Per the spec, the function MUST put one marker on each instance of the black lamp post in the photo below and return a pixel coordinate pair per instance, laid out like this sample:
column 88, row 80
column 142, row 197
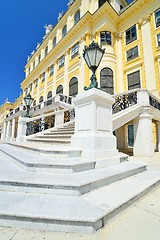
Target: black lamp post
column 28, row 101
column 93, row 55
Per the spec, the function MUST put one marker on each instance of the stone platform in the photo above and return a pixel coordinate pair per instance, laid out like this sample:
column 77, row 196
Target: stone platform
column 67, row 201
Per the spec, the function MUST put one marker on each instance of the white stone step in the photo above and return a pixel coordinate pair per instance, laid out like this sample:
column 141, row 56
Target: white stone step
column 86, row 213
column 49, row 141
column 13, row 178
column 59, row 133
column 33, row 162
column 52, row 136
column 57, row 151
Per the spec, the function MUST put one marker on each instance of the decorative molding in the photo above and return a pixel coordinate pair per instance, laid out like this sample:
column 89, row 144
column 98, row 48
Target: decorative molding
column 119, row 35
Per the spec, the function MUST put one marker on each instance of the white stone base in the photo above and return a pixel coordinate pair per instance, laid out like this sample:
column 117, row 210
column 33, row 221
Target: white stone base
column 95, row 146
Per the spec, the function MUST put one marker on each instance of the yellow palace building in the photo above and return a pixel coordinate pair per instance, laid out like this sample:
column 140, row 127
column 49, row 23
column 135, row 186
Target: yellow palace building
column 130, row 35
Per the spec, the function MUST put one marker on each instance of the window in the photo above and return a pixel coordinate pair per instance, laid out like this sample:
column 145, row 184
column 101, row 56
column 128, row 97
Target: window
column 132, row 53
column 101, row 2
column 131, row 34
column 74, row 50
column 134, row 80
column 34, row 103
column 158, row 40
column 105, row 38
column 26, row 90
column 51, row 70
column 46, row 51
column 36, row 83
column 121, row 7
column 76, row 17
column 34, row 64
column 39, row 58
column 130, row 135
column 49, row 95
column 59, row 89
column 73, row 87
column 41, row 99
column 43, row 77
column 106, row 80
column 54, row 42
column 29, row 70
column 30, row 87
column 64, row 31
column 61, row 61
column 157, row 17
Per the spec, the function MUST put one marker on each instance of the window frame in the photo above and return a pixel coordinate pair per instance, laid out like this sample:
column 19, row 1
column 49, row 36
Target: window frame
column 130, row 33
column 64, row 31
column 54, row 42
column 51, row 70
column 73, row 86
column 134, row 85
column 158, row 40
column 157, row 24
column 46, row 51
column 132, row 55
column 36, row 83
column 61, row 61
column 43, row 77
column 107, row 37
column 77, row 17
column 75, row 50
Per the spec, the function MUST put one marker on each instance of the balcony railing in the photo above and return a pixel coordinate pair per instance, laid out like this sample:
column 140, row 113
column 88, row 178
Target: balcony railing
column 124, row 101
column 47, row 121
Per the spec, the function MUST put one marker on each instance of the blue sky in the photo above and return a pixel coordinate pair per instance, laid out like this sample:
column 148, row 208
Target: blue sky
column 21, row 27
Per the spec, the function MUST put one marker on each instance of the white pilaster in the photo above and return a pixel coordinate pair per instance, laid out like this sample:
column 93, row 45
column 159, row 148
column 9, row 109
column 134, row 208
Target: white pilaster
column 93, row 125
column 65, row 87
column 13, row 129
column 158, row 136
column 8, row 131
column 143, row 145
column 4, row 132
column 148, row 56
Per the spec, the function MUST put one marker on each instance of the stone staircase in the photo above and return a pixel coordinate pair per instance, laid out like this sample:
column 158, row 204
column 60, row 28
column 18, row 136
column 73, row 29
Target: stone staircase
column 61, row 191
column 61, row 135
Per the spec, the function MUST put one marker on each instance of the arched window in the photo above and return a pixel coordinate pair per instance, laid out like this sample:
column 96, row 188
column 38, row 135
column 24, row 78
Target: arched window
column 46, row 51
column 54, row 42
column 76, row 17
column 39, row 58
column 41, row 99
column 49, row 96
column 64, row 31
column 106, row 80
column 73, row 87
column 34, row 103
column 59, row 89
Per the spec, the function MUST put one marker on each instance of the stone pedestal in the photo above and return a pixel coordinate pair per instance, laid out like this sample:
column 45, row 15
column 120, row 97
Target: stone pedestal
column 21, row 133
column 93, row 125
column 143, row 145
column 59, row 119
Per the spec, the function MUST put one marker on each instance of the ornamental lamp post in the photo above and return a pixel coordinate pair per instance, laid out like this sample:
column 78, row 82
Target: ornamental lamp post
column 28, row 101
column 93, row 55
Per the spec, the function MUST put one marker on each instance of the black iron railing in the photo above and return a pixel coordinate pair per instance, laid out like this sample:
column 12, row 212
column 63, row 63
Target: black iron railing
column 124, row 101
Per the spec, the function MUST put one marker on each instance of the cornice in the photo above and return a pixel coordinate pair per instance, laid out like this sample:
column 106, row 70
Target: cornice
column 86, row 20
column 134, row 9
column 106, row 11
